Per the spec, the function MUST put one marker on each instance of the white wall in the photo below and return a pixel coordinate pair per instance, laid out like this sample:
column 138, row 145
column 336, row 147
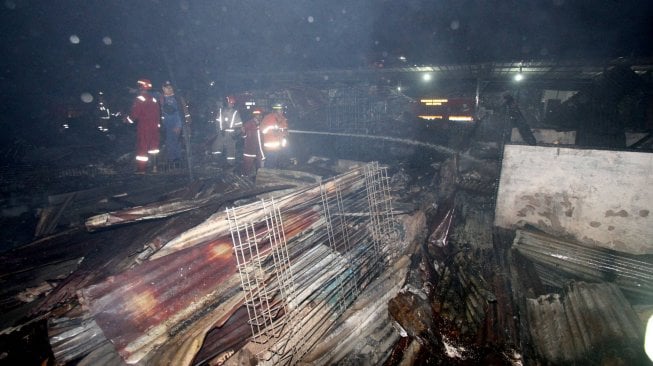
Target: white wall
column 604, row 198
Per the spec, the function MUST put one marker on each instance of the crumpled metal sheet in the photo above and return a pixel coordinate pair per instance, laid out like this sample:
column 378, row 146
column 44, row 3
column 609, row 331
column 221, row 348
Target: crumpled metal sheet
column 141, row 308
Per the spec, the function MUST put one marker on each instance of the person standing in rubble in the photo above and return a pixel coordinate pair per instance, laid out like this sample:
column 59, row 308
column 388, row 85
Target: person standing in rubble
column 103, row 113
column 173, row 106
column 228, row 125
column 252, row 152
column 146, row 114
column 274, row 133
column 516, row 119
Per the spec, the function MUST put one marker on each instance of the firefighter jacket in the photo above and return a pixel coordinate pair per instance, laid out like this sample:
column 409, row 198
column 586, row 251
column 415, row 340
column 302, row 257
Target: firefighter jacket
column 274, row 131
column 146, row 114
column 252, row 144
column 228, row 120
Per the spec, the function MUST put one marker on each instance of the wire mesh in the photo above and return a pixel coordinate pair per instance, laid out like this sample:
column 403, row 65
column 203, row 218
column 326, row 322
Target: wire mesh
column 305, row 257
column 256, row 244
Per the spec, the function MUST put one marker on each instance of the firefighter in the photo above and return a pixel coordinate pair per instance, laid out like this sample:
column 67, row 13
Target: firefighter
column 252, row 152
column 274, row 133
column 228, row 125
column 103, row 113
column 146, row 114
column 173, row 106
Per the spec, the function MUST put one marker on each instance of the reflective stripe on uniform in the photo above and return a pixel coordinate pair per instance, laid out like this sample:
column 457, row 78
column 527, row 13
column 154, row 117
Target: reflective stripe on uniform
column 260, row 146
column 275, row 144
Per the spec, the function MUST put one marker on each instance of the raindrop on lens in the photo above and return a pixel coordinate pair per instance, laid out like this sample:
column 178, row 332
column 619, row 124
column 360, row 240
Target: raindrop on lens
column 74, row 39
column 86, row 97
column 107, row 40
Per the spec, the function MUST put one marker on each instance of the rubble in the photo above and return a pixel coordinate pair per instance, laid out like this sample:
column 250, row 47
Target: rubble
column 159, row 270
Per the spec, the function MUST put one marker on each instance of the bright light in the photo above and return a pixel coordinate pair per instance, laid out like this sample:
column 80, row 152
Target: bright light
column 648, row 338
column 398, row 88
column 434, row 101
column 430, row 117
column 461, row 118
column 426, row 77
column 519, row 77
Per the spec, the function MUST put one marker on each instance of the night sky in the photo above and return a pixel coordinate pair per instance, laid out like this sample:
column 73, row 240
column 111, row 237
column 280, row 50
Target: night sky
column 53, row 51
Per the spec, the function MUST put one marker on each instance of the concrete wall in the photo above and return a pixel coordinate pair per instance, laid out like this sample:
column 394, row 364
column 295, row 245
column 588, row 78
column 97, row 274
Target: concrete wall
column 603, row 198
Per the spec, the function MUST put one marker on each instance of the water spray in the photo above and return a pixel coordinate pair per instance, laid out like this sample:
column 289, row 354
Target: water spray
column 438, row 148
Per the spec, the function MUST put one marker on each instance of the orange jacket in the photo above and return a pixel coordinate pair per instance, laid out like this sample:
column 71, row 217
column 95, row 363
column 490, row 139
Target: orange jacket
column 274, row 130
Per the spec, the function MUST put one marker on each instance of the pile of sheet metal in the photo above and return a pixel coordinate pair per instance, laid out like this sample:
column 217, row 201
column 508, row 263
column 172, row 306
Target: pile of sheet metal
column 301, row 259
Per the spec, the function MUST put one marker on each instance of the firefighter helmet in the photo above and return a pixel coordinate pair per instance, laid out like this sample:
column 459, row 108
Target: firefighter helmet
column 277, row 106
column 257, row 111
column 144, row 84
column 231, row 99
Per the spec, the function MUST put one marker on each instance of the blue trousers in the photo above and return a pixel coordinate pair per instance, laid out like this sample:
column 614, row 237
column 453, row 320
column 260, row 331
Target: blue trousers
column 172, row 126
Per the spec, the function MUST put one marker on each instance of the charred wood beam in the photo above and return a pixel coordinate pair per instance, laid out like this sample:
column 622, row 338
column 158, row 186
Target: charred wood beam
column 49, row 217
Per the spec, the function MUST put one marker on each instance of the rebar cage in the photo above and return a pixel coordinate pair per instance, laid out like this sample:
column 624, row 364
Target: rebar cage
column 305, row 257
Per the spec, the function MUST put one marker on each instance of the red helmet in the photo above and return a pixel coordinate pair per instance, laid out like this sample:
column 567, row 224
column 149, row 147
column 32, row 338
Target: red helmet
column 257, row 111
column 231, row 99
column 144, row 84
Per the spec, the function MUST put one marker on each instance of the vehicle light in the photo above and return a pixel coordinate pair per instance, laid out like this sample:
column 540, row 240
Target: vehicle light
column 461, row 118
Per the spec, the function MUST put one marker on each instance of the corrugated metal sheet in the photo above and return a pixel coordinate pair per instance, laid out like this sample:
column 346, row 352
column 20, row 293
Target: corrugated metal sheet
column 589, row 323
column 559, row 259
column 140, row 308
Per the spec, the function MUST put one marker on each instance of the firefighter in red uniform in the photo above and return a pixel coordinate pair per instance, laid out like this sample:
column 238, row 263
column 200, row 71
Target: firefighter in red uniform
column 274, row 133
column 146, row 113
column 252, row 152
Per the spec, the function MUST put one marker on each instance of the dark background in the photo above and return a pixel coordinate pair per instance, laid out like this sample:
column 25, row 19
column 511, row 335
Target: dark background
column 195, row 42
